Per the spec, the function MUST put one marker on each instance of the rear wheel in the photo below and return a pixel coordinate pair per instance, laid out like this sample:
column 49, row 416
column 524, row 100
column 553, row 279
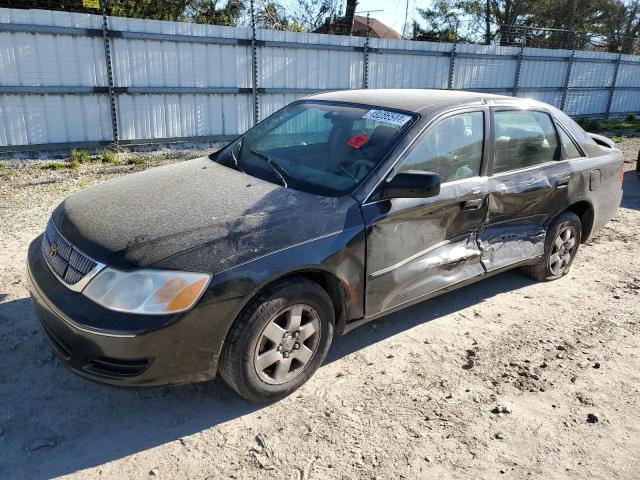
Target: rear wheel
column 279, row 341
column 561, row 246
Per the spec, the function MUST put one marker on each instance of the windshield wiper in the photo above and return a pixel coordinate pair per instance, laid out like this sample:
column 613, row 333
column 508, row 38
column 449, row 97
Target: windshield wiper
column 275, row 166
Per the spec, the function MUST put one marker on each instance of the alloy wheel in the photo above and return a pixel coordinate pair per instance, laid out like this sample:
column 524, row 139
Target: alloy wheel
column 563, row 249
column 287, row 344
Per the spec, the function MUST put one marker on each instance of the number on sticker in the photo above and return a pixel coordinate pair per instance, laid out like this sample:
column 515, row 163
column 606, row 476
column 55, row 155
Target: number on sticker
column 387, row 116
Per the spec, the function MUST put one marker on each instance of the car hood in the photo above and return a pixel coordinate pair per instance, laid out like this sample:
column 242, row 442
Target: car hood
column 195, row 215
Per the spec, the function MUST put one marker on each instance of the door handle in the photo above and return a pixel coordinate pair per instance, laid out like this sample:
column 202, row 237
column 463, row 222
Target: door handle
column 562, row 182
column 473, row 204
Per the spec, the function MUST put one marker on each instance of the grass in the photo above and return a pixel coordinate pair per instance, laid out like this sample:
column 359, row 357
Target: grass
column 84, row 183
column 80, row 156
column 629, row 123
column 617, row 138
column 108, row 156
column 54, row 165
column 136, row 160
column 620, row 125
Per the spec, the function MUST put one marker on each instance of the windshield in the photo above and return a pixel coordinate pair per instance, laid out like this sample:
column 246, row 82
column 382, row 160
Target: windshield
column 317, row 147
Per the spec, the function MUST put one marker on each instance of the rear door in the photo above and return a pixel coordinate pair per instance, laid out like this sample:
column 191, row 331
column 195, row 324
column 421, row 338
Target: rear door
column 416, row 246
column 528, row 183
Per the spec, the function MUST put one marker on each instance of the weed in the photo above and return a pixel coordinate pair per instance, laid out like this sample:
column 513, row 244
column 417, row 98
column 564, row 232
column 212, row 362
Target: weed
column 617, row 138
column 136, row 160
column 631, row 117
column 108, row 156
column 590, row 124
column 54, row 166
column 79, row 156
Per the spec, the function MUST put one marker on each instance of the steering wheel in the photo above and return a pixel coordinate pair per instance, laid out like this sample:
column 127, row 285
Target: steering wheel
column 363, row 163
column 361, row 167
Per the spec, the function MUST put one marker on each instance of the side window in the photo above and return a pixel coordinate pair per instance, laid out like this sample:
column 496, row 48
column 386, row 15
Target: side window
column 570, row 148
column 452, row 148
column 523, row 139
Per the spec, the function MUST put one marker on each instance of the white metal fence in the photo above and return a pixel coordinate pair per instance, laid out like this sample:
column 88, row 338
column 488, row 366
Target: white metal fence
column 174, row 81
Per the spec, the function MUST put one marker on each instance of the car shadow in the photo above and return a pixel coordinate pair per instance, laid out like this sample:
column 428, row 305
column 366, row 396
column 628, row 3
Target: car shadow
column 433, row 309
column 631, row 187
column 55, row 423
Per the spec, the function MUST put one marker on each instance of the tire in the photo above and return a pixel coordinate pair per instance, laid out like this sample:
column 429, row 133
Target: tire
column 252, row 361
column 638, row 164
column 557, row 242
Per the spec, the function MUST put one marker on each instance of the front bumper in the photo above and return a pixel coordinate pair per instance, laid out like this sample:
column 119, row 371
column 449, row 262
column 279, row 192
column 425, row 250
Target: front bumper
column 124, row 349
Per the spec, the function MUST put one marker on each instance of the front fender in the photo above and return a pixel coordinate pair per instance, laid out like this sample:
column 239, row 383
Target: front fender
column 340, row 254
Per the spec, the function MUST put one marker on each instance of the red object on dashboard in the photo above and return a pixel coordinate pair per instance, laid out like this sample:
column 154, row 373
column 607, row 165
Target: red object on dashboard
column 357, row 140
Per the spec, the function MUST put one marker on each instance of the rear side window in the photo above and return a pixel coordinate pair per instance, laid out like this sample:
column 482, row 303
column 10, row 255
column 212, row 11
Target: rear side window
column 523, row 139
column 452, row 148
column 570, row 148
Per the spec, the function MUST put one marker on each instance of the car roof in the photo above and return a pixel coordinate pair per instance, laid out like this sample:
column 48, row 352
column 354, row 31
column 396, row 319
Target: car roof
column 417, row 100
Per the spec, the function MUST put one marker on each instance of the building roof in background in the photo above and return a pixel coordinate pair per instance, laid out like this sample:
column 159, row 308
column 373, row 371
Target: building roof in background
column 378, row 29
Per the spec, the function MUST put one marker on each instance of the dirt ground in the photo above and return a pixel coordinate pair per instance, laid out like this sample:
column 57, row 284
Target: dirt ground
column 507, row 378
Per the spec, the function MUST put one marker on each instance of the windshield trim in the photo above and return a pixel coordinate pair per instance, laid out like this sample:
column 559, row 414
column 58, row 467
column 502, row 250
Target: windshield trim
column 402, row 132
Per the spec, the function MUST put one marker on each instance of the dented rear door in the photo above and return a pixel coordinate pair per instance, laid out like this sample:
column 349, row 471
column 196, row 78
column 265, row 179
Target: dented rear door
column 528, row 184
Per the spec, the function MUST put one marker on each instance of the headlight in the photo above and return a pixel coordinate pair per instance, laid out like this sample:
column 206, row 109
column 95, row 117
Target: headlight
column 146, row 291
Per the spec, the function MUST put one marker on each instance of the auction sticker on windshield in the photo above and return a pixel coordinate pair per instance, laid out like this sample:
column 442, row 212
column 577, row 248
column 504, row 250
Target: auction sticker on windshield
column 386, row 116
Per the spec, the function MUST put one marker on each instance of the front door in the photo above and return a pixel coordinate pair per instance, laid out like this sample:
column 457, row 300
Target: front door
column 416, row 246
column 528, row 184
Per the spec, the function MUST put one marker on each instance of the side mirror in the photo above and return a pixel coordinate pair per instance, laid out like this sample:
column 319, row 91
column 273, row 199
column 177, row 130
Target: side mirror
column 412, row 184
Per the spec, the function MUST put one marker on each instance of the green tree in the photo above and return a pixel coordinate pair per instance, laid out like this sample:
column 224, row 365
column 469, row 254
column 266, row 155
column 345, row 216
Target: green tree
column 152, row 9
column 216, row 12
column 441, row 22
column 273, row 16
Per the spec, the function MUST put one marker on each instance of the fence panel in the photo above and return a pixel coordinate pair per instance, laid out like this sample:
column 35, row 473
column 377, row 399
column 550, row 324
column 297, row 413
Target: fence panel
column 182, row 81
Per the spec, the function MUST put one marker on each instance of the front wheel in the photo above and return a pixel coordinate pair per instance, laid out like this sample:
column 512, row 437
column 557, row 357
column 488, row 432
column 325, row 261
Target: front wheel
column 560, row 249
column 279, row 340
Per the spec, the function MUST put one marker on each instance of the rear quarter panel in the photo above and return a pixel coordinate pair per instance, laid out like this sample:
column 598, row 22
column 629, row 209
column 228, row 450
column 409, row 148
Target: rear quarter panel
column 596, row 180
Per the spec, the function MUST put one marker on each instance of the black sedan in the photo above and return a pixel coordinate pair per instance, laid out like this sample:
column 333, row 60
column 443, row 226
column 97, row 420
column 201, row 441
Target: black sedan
column 336, row 210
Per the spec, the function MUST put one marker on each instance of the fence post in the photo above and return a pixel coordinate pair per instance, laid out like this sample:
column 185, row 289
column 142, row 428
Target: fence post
column 452, row 65
column 254, row 67
column 516, row 79
column 612, row 88
column 365, row 67
column 567, row 79
column 107, row 56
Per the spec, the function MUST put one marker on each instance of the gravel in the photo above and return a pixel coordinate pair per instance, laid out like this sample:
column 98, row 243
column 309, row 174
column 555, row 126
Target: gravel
column 408, row 396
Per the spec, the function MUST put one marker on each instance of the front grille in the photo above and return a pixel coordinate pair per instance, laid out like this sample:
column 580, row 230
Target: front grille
column 65, row 261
